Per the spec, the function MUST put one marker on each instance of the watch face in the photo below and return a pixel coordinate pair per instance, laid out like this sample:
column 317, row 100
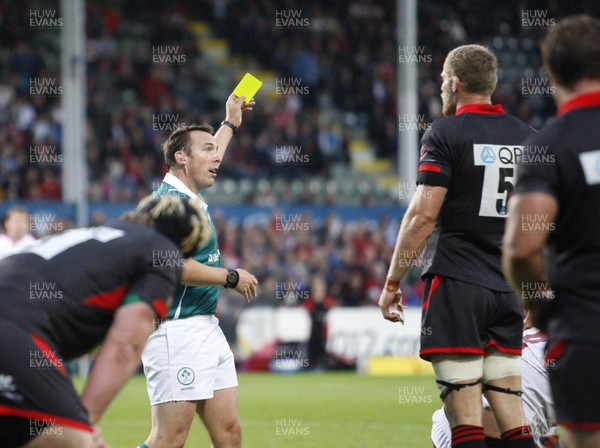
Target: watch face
column 232, row 278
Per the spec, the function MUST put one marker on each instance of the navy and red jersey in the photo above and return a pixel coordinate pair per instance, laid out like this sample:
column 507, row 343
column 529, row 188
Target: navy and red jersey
column 66, row 289
column 564, row 162
column 472, row 153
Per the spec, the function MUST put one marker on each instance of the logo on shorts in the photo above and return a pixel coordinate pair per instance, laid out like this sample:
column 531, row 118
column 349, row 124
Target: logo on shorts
column 186, row 376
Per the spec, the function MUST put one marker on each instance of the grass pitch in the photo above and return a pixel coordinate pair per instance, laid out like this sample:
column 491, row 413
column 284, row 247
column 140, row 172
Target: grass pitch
column 303, row 410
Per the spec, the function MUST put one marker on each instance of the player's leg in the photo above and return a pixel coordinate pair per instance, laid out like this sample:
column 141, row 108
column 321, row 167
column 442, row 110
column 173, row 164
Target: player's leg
column 441, row 433
column 62, row 437
column 171, row 424
column 221, row 418
column 179, row 371
column 502, row 378
column 459, row 380
column 454, row 316
column 220, row 413
column 490, row 430
column 502, row 371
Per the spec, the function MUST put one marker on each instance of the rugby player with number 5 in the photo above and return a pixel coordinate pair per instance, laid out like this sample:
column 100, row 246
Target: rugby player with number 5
column 472, row 319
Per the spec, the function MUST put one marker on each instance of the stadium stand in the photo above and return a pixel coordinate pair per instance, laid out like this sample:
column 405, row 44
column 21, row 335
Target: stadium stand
column 152, row 66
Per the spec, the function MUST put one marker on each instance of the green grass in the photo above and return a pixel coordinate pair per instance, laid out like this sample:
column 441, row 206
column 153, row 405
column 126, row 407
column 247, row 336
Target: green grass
column 325, row 410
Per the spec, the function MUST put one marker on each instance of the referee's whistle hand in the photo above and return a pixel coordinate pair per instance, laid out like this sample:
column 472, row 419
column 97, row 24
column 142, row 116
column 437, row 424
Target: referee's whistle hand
column 391, row 306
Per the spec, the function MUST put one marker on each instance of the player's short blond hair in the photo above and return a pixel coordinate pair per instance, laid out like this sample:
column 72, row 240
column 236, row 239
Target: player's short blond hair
column 476, row 66
column 183, row 221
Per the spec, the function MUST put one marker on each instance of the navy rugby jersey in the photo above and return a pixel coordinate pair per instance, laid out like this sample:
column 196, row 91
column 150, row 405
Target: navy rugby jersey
column 565, row 163
column 472, row 153
column 67, row 288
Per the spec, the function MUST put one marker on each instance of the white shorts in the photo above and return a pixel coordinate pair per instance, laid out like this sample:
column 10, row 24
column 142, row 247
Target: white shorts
column 187, row 360
column 441, row 434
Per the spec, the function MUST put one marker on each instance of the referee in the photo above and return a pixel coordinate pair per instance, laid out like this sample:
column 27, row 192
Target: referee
column 556, row 210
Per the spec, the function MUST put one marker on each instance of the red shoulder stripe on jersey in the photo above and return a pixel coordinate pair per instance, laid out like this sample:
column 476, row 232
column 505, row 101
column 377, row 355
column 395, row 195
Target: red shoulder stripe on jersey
column 161, row 308
column 580, row 102
column 430, row 167
column 50, row 354
column 480, row 109
column 109, row 300
column 12, row 411
column 510, row 351
column 437, row 280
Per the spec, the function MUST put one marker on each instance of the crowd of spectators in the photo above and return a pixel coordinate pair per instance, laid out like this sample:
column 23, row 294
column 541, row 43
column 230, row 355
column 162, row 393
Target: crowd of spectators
column 351, row 257
column 344, row 54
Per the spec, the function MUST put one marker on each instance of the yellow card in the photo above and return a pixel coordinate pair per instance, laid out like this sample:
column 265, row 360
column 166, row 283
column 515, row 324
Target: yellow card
column 248, row 87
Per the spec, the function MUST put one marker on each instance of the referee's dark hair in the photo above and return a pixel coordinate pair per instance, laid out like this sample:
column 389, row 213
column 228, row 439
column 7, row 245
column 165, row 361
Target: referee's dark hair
column 571, row 50
column 179, row 141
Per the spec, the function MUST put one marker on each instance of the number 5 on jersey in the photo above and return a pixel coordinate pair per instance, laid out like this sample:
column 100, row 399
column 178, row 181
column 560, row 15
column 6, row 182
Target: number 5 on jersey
column 498, row 178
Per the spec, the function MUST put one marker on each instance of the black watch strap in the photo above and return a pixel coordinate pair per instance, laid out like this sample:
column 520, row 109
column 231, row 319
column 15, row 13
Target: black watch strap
column 233, row 127
column 233, row 278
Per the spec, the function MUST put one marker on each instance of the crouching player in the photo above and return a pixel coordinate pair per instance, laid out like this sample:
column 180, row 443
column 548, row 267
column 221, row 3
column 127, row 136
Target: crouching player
column 72, row 291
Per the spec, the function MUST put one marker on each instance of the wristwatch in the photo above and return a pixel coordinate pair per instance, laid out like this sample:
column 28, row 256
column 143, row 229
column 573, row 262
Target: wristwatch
column 232, row 278
column 233, row 127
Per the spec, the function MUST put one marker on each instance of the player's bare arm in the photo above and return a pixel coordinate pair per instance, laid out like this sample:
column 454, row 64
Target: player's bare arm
column 197, row 274
column 523, row 252
column 118, row 358
column 234, row 108
column 417, row 225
